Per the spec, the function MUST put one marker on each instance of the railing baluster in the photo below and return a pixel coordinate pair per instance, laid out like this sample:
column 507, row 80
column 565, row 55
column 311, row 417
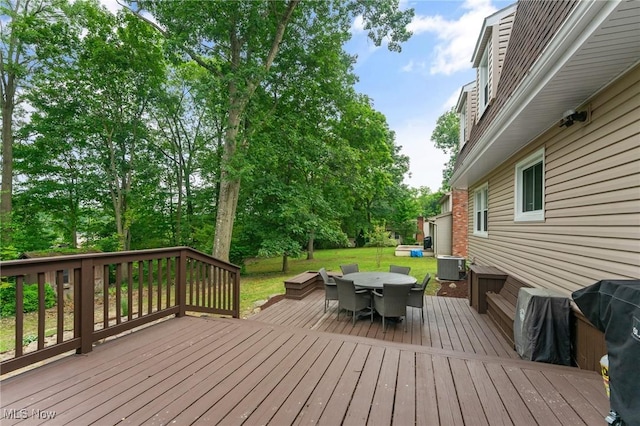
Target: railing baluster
column 105, row 296
column 197, row 289
column 60, row 319
column 191, row 262
column 129, row 291
column 118, row 292
column 41, row 310
column 159, row 284
column 149, row 286
column 19, row 314
column 168, row 305
column 140, row 286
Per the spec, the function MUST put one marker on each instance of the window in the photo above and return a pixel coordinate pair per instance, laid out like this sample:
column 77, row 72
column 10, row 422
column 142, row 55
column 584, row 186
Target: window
column 483, row 77
column 529, row 199
column 480, row 211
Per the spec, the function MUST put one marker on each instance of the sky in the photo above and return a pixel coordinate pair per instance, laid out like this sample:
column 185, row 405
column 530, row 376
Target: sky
column 416, row 86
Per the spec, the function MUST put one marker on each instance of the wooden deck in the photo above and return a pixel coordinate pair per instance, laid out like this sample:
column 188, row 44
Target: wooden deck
column 228, row 371
column 449, row 323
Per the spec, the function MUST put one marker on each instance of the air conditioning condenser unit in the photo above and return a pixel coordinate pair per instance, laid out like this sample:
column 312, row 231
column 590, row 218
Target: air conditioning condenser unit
column 450, row 267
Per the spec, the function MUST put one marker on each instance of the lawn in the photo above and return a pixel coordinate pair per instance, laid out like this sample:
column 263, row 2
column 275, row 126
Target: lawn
column 263, row 277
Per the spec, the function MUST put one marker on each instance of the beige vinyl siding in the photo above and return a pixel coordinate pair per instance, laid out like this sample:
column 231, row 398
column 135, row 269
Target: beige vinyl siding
column 504, row 32
column 499, row 44
column 591, row 229
column 471, row 108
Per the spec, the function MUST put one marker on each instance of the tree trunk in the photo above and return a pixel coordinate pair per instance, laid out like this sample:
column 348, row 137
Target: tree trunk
column 285, row 263
column 310, row 247
column 229, row 184
column 7, row 161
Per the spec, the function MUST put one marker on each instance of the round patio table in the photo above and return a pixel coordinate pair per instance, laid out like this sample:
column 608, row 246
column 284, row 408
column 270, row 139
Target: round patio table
column 374, row 280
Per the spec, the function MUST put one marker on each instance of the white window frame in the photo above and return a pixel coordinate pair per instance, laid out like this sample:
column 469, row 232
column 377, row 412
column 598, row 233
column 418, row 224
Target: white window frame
column 520, row 215
column 483, row 81
column 481, row 207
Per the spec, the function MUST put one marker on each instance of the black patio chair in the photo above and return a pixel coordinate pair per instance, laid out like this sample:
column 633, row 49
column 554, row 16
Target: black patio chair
column 349, row 269
column 416, row 295
column 351, row 299
column 392, row 303
column 330, row 288
column 400, row 269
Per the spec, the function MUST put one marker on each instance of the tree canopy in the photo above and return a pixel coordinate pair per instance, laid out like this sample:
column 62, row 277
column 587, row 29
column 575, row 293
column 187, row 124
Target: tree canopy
column 140, row 127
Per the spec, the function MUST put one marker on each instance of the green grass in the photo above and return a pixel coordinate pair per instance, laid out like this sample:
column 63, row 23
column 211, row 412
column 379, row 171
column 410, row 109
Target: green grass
column 264, row 278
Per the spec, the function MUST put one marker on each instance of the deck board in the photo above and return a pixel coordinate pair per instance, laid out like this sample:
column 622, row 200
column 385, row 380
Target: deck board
column 194, row 370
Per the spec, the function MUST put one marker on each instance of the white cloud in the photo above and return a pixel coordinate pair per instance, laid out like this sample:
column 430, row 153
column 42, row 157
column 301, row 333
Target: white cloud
column 456, row 39
column 413, row 66
column 408, row 67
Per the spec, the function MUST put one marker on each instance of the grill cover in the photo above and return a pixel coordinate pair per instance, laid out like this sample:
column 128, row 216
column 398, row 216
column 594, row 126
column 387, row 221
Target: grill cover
column 613, row 306
column 541, row 326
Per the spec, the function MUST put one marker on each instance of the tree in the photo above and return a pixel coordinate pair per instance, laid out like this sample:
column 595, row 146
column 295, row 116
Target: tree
column 25, row 36
column 446, row 136
column 189, row 129
column 238, row 42
column 428, row 201
column 93, row 104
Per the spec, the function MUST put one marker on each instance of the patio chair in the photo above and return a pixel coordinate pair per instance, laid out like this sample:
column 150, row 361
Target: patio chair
column 416, row 295
column 330, row 288
column 349, row 269
column 351, row 299
column 393, row 303
column 400, row 269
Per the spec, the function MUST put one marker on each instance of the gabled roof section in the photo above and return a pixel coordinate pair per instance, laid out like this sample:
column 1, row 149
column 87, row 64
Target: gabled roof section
column 560, row 54
column 464, row 95
column 485, row 33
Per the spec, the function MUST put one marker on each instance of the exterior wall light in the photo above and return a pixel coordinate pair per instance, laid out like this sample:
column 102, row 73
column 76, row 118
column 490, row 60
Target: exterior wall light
column 571, row 116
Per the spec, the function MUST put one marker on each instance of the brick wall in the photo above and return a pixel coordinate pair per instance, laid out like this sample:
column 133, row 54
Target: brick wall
column 460, row 221
column 420, row 232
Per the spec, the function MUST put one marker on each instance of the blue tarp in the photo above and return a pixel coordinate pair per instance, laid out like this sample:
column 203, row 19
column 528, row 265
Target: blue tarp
column 416, row 253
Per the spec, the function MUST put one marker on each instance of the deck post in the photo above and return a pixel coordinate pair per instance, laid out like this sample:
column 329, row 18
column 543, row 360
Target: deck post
column 181, row 287
column 236, row 294
column 86, row 308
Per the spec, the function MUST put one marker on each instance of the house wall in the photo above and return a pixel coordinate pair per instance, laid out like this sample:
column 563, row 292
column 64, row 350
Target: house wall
column 442, row 237
column 460, row 223
column 591, row 229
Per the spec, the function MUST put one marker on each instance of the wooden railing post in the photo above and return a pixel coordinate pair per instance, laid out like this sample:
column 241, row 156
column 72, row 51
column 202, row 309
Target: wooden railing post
column 181, row 283
column 86, row 309
column 236, row 294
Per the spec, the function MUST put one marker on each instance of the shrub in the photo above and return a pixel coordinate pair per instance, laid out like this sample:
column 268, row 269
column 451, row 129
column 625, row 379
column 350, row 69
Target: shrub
column 29, row 300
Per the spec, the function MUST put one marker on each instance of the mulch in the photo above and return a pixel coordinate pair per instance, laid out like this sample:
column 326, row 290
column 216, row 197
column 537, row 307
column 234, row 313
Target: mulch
column 458, row 289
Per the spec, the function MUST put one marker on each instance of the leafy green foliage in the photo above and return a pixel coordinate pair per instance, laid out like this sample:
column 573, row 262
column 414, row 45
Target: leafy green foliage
column 446, row 136
column 30, row 298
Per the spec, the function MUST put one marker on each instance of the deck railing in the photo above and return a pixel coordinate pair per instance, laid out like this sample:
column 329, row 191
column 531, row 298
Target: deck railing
column 100, row 295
